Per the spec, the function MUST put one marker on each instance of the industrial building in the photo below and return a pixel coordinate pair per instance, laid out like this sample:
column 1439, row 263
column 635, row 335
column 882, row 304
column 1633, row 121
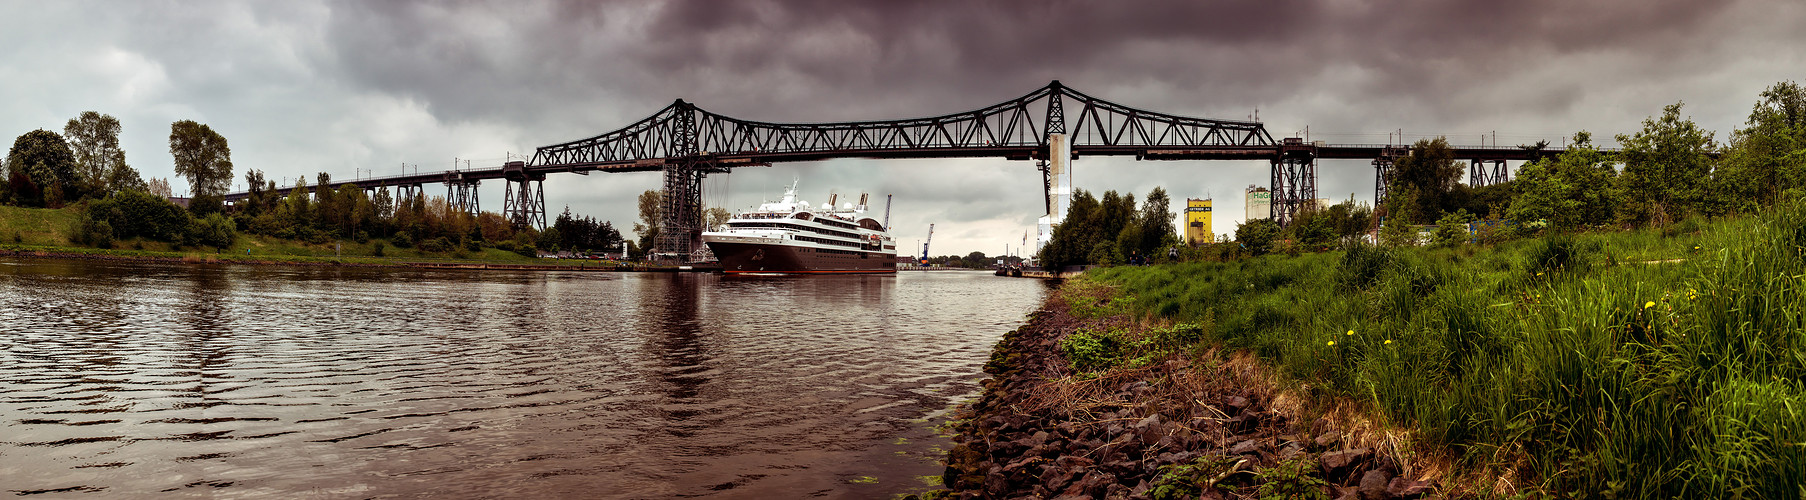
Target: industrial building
column 1259, row 202
column 1197, row 222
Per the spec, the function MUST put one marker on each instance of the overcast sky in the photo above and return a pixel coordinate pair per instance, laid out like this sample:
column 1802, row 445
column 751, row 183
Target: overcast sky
column 355, row 88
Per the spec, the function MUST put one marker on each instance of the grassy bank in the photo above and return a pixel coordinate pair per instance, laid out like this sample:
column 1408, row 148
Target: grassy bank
column 1652, row 364
column 43, row 231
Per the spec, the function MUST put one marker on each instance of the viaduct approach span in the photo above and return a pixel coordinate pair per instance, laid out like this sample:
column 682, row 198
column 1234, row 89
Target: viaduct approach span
column 1051, row 125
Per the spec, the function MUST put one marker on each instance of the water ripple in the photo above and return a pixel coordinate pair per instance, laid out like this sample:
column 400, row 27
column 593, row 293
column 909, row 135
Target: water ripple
column 137, row 380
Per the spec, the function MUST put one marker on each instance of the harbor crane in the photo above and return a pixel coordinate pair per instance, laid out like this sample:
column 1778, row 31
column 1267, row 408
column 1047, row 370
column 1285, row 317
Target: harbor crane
column 926, row 243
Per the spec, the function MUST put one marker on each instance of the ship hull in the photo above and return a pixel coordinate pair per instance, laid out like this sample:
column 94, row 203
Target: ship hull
column 755, row 258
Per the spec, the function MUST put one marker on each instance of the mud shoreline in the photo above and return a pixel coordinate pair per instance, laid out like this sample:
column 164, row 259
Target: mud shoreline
column 1195, row 425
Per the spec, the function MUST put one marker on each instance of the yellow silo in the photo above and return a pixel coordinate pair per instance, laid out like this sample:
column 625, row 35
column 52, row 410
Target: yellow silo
column 1197, row 222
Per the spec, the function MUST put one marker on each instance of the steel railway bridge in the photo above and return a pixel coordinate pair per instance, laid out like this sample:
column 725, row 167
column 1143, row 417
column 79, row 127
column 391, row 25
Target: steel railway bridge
column 1051, row 126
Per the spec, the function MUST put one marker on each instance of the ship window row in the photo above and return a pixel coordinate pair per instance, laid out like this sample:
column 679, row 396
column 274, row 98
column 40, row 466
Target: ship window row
column 826, row 241
column 836, row 223
column 846, row 252
column 781, row 225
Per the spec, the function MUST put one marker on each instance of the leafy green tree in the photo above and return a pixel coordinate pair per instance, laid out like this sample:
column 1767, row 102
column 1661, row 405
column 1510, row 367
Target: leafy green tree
column 202, row 156
column 647, row 227
column 715, row 218
column 1156, row 221
column 1768, row 156
column 1257, row 235
column 1666, row 167
column 1349, row 220
column 1313, row 228
column 94, row 138
column 977, row 259
column 1424, row 182
column 1570, row 191
column 42, row 170
column 1451, row 229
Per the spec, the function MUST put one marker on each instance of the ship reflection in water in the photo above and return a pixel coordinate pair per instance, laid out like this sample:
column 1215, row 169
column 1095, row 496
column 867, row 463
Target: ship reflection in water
column 140, row 380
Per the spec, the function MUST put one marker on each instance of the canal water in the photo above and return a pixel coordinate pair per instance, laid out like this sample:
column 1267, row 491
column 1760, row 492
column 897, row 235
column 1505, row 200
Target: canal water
column 149, row 380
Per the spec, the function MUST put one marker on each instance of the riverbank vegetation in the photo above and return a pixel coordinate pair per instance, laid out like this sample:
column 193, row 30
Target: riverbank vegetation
column 1629, row 324
column 74, row 193
column 1658, row 363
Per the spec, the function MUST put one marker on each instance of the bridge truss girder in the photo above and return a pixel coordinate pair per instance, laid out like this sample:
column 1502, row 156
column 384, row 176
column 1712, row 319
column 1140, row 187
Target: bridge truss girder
column 682, row 129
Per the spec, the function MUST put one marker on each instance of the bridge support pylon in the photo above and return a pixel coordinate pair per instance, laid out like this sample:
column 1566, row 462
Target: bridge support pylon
column 462, row 194
column 1382, row 172
column 680, row 210
column 1487, row 172
column 523, row 200
column 1294, row 180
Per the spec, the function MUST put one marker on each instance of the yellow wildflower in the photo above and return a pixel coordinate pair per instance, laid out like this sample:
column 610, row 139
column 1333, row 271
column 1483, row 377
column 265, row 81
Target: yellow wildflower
column 1351, row 333
column 1332, row 343
column 1649, row 304
column 1388, row 341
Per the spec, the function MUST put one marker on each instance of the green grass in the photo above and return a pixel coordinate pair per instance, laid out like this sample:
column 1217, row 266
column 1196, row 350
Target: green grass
column 1595, row 365
column 48, row 230
column 35, row 226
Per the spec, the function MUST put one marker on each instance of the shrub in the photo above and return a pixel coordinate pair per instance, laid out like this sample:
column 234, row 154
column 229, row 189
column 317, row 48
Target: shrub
column 1257, row 235
column 1451, row 229
column 1091, row 350
column 93, row 231
column 140, row 214
column 1189, row 480
column 376, row 249
column 361, row 237
column 214, row 230
column 1291, row 479
column 435, row 245
column 402, row 240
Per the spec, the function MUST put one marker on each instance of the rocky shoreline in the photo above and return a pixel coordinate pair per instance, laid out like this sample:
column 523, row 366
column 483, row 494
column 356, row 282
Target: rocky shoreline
column 1195, row 425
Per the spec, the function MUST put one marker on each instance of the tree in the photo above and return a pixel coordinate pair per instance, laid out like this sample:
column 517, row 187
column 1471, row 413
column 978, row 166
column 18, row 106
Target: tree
column 1423, row 182
column 1570, row 191
column 976, row 259
column 1156, row 220
column 1769, row 156
column 159, row 187
column 715, row 218
column 647, row 227
column 42, row 169
column 203, row 157
column 1257, row 235
column 94, row 138
column 1666, row 167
